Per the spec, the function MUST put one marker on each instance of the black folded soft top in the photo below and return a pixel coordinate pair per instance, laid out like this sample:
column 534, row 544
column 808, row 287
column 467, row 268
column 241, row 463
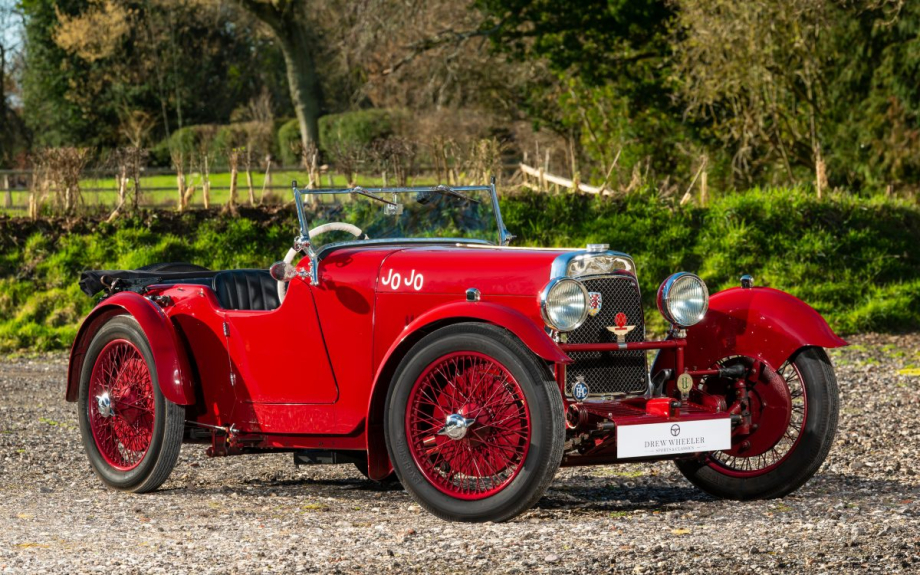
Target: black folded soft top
column 112, row 281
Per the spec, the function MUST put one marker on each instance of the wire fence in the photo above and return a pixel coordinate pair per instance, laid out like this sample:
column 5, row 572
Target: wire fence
column 165, row 188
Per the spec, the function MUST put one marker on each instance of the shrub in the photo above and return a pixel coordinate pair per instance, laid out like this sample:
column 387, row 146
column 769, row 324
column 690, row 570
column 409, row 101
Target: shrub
column 229, row 136
column 853, row 259
column 189, row 140
column 348, row 130
column 357, row 129
column 289, row 143
column 159, row 155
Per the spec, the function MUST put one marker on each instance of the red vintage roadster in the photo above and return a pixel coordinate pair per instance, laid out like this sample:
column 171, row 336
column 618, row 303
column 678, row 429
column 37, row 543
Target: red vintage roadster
column 402, row 334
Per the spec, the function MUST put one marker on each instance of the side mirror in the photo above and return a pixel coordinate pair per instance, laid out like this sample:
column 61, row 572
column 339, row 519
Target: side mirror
column 282, row 271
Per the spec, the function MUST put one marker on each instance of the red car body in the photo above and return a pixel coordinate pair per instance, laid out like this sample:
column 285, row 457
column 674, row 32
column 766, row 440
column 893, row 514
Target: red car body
column 313, row 374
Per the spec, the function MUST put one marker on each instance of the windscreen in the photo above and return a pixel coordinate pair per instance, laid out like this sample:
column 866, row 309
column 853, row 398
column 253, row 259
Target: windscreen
column 424, row 213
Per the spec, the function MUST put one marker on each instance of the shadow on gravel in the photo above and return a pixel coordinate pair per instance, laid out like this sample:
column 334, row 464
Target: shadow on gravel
column 285, row 487
column 573, row 495
column 623, row 499
column 837, row 484
column 616, row 498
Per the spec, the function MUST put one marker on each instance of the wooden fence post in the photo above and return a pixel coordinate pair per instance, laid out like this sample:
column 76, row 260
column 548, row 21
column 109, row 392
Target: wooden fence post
column 8, row 201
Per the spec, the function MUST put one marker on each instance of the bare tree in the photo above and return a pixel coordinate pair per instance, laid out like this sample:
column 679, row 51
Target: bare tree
column 183, row 162
column 40, row 186
column 205, row 159
column 394, row 157
column 233, row 158
column 135, row 126
column 348, row 158
column 485, row 160
column 64, row 168
column 129, row 163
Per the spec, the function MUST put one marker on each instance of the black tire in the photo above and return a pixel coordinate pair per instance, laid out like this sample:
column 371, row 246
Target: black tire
column 169, row 418
column 803, row 461
column 544, row 403
column 390, row 479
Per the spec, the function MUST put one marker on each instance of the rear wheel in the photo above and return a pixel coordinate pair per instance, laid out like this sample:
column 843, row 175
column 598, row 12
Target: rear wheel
column 795, row 412
column 131, row 433
column 474, row 424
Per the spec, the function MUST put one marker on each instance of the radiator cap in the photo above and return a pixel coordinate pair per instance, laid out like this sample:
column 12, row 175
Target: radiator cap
column 597, row 248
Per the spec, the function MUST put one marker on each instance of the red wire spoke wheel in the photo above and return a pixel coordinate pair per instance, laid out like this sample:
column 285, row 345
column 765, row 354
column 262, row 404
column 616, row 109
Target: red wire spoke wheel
column 122, row 415
column 131, row 433
column 468, row 425
column 794, row 414
column 780, row 420
column 474, row 423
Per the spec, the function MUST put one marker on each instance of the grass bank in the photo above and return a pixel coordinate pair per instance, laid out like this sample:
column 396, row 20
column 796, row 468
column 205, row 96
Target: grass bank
column 856, row 260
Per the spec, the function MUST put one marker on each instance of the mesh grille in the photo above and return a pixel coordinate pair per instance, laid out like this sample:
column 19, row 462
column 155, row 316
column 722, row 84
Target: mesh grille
column 610, row 371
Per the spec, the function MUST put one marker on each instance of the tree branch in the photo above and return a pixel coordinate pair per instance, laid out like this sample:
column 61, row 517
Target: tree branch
column 442, row 39
column 267, row 12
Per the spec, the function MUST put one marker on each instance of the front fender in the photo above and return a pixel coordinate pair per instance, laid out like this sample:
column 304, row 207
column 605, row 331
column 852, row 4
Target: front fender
column 172, row 366
column 763, row 323
column 514, row 321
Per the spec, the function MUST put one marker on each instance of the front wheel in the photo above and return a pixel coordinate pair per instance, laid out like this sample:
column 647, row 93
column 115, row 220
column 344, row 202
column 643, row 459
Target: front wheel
column 795, row 413
column 131, row 433
column 474, row 424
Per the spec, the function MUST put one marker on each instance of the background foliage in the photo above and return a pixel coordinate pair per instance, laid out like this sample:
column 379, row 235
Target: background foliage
column 853, row 259
column 786, row 92
column 767, row 103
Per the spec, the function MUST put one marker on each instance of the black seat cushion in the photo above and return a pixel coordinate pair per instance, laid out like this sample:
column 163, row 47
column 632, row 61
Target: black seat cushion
column 246, row 290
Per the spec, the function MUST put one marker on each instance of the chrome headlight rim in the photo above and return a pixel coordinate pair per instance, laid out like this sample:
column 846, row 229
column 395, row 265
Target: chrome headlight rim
column 665, row 298
column 544, row 298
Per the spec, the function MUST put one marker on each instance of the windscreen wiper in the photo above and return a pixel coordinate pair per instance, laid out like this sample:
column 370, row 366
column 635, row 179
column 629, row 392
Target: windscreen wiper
column 442, row 189
column 362, row 192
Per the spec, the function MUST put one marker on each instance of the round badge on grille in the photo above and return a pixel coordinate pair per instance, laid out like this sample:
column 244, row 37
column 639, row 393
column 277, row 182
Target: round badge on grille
column 580, row 390
column 684, row 384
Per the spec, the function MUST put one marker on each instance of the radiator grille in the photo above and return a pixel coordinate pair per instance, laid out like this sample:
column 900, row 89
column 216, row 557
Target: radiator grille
column 610, row 371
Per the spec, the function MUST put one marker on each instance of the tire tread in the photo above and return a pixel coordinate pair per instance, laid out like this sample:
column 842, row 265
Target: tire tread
column 699, row 474
column 540, row 376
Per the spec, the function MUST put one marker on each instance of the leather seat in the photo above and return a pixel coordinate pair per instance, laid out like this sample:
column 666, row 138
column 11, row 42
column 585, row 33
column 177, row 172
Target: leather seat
column 246, row 290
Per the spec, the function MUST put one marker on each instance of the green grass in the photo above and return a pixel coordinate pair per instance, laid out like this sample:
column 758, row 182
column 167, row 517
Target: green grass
column 853, row 259
column 151, row 196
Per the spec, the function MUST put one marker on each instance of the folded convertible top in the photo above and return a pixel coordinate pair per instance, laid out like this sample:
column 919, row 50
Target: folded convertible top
column 112, row 281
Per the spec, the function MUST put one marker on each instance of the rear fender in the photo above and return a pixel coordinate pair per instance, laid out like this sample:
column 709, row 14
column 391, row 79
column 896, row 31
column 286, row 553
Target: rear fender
column 172, row 366
column 763, row 323
column 514, row 321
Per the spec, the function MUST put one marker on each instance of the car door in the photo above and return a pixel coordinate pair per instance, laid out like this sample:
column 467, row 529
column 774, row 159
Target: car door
column 279, row 360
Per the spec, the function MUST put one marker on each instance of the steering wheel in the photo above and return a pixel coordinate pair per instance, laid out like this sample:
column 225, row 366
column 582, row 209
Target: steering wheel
column 330, row 227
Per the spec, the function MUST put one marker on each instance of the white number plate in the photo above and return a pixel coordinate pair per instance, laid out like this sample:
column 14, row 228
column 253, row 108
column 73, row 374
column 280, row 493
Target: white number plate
column 658, row 439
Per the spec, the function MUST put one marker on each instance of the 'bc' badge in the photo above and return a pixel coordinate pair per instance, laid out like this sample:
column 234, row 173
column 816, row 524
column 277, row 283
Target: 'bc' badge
column 580, row 390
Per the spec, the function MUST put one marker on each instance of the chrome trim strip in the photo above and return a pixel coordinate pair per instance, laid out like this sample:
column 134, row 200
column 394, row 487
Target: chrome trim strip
column 561, row 264
column 396, row 241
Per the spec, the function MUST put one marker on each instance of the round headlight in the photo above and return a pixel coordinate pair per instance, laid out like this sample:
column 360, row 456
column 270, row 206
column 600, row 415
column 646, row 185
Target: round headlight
column 683, row 299
column 564, row 304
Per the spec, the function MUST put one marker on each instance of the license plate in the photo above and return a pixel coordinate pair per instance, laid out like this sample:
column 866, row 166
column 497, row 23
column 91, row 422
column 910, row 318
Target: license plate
column 661, row 439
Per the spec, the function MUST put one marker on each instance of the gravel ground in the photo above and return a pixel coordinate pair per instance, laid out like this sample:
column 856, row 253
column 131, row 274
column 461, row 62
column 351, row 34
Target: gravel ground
column 260, row 514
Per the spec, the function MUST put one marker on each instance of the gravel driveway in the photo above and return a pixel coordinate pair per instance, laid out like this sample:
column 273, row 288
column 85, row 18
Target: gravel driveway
column 261, row 514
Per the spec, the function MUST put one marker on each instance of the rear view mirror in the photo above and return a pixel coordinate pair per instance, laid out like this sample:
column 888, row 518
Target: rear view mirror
column 282, row 271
